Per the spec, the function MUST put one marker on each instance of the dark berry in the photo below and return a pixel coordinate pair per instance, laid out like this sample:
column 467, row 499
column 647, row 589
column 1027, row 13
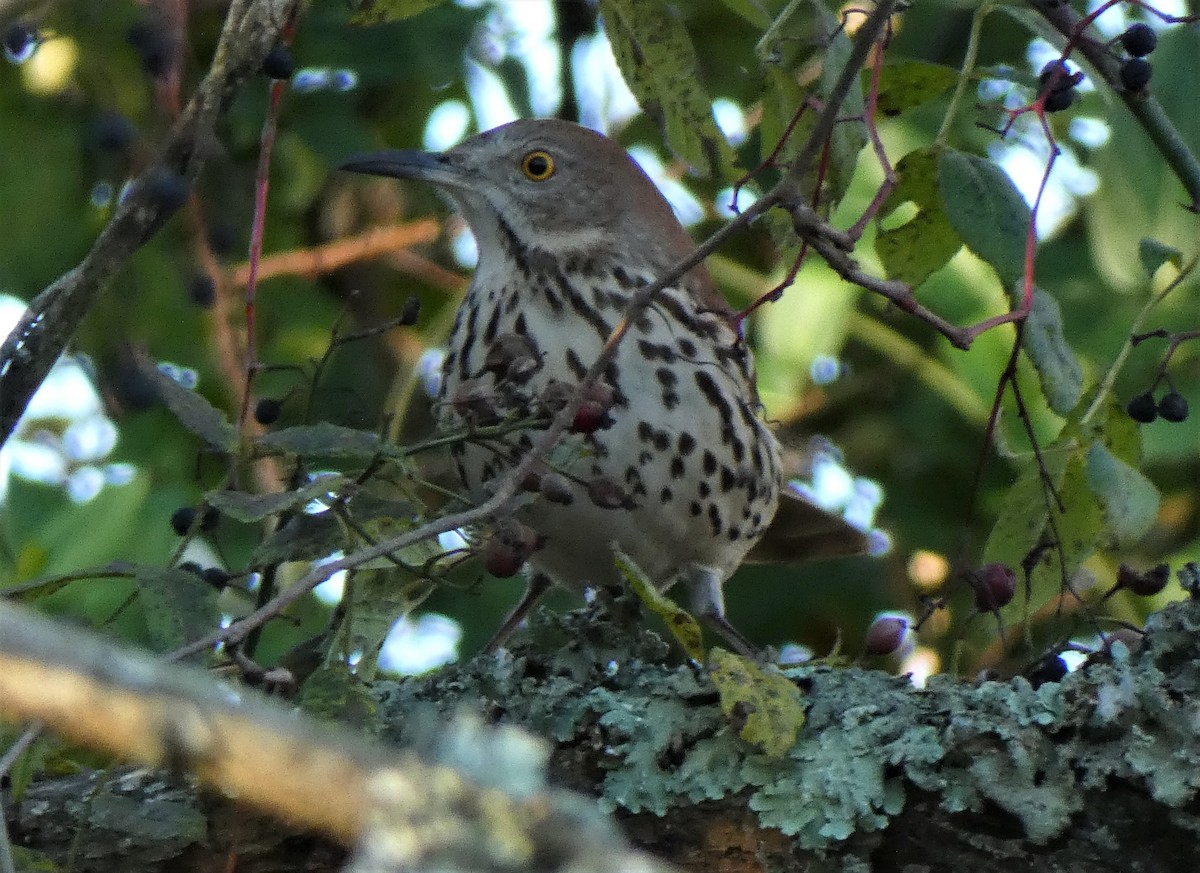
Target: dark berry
column 267, row 409
column 500, row 558
column 1050, row 669
column 411, row 311
column 607, row 494
column 149, row 37
column 209, row 518
column 112, row 132
column 182, row 519
column 1057, row 101
column 555, row 488
column 503, row 352
column 1135, row 74
column 216, row 577
column 532, row 483
column 1142, row 408
column 222, row 239
column 589, row 417
column 994, row 586
column 168, row 189
column 20, row 40
column 885, row 635
column 191, row 567
column 1140, row 39
column 278, row 63
column 202, row 291
column 1173, row 407
column 1145, row 584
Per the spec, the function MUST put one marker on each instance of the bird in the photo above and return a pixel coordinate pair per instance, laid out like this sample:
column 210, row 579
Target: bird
column 673, row 463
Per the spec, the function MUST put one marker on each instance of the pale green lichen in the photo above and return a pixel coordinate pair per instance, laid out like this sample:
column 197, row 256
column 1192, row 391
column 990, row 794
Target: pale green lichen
column 653, row 736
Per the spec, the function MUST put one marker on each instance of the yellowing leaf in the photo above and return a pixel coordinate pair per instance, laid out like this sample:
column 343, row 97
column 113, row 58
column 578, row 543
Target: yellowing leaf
column 679, row 621
column 769, row 706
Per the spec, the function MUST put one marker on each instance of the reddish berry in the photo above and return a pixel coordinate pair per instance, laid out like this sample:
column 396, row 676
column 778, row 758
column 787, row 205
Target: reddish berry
column 501, row 559
column 994, row 586
column 885, row 635
column 589, row 417
column 555, row 488
column 607, row 494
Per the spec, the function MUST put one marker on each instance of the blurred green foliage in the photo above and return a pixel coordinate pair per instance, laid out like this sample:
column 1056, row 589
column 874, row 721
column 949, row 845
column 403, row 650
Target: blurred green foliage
column 910, row 412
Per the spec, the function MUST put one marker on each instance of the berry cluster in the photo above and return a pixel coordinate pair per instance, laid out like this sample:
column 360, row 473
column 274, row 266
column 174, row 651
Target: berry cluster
column 1058, row 83
column 1144, row 408
column 1138, row 41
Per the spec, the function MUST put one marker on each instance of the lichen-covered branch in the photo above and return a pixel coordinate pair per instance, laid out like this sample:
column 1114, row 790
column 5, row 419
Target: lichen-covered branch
column 466, row 798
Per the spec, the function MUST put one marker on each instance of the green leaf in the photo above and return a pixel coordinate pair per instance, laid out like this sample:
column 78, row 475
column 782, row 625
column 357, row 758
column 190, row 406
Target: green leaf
column 847, row 140
column 1130, row 500
column 987, row 211
column 191, row 409
column 768, row 705
column 916, row 249
column 1153, row 254
column 656, row 57
column 335, row 693
column 325, row 440
column 303, row 538
column 180, row 607
column 381, row 11
column 246, row 507
column 908, row 84
column 1056, row 365
column 679, row 622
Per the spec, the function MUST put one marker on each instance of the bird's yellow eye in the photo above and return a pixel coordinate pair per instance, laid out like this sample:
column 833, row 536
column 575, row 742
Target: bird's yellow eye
column 537, row 166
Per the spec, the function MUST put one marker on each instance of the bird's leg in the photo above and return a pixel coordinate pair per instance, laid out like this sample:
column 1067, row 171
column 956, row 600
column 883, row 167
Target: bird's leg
column 539, row 584
column 708, row 604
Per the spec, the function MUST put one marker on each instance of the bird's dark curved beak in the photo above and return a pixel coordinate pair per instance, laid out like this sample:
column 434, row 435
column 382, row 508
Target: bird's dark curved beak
column 400, row 164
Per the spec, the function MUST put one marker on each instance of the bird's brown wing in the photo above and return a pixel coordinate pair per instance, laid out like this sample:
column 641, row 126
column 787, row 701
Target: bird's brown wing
column 802, row 531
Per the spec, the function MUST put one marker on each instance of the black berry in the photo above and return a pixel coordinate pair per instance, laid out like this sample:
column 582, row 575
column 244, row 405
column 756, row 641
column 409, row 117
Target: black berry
column 267, row 410
column 182, row 519
column 411, row 311
column 1173, row 407
column 1050, row 669
column 20, row 39
column 278, row 63
column 168, row 189
column 191, row 567
column 1140, row 39
column 149, row 37
column 222, row 238
column 216, row 577
column 1057, row 101
column 209, row 518
column 589, row 417
column 1135, row 74
column 1145, row 584
column 202, row 291
column 112, row 132
column 1142, row 408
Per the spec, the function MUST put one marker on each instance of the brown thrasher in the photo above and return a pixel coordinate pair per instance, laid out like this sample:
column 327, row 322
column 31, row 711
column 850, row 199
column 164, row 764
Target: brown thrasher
column 672, row 462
